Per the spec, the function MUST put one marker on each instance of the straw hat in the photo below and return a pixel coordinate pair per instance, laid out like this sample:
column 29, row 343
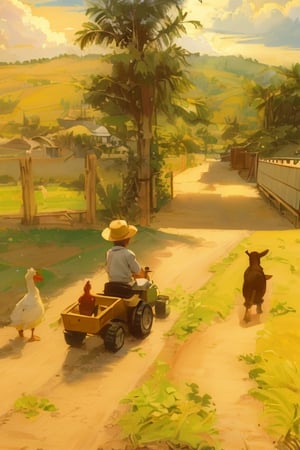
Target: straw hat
column 118, row 230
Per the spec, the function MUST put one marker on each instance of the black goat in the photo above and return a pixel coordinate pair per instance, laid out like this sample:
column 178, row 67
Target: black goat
column 254, row 286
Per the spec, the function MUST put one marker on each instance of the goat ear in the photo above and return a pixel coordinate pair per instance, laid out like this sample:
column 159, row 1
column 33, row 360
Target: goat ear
column 247, row 253
column 264, row 253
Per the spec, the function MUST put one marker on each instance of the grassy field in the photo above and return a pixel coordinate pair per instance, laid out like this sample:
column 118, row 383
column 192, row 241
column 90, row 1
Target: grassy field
column 52, row 198
column 46, row 89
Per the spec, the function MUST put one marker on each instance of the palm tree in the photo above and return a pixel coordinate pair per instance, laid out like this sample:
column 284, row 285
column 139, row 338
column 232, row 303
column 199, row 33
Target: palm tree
column 264, row 97
column 147, row 68
column 288, row 111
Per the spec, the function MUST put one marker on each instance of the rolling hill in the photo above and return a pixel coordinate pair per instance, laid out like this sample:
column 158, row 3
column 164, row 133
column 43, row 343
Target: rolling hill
column 46, row 90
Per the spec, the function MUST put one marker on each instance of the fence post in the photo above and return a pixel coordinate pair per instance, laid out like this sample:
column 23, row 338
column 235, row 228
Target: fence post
column 29, row 205
column 90, row 188
column 172, row 184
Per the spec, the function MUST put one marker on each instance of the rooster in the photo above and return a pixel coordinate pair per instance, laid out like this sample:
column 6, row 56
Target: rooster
column 29, row 311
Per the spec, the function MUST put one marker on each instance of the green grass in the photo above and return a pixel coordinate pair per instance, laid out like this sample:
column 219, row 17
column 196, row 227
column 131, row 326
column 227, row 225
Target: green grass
column 160, row 411
column 10, row 199
column 55, row 198
column 87, row 243
column 31, row 405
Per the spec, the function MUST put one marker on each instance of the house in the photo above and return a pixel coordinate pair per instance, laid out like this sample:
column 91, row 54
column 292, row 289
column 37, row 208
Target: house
column 102, row 134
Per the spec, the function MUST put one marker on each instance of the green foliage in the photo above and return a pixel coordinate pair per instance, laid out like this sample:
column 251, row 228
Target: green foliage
column 159, row 411
column 7, row 179
column 110, row 198
column 31, row 405
column 78, row 184
column 139, row 351
column 281, row 308
column 147, row 74
column 7, row 105
column 267, row 142
column 200, row 307
column 281, row 334
column 212, row 301
column 250, row 358
column 130, row 190
column 279, row 390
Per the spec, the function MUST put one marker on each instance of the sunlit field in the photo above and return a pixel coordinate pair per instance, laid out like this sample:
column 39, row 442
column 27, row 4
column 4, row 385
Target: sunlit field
column 50, row 198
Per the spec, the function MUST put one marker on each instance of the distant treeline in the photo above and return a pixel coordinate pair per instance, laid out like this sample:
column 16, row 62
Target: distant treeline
column 234, row 64
column 45, row 60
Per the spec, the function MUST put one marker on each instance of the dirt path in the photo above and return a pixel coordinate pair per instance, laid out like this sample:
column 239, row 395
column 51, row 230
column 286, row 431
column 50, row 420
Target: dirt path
column 221, row 200
column 87, row 383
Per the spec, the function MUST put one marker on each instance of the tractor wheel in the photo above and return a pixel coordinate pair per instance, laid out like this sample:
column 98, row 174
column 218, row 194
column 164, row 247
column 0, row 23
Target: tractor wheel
column 74, row 338
column 161, row 307
column 142, row 320
column 114, row 337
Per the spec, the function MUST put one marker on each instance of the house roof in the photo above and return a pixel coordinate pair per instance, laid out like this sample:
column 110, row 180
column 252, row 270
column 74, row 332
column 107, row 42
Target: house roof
column 101, row 131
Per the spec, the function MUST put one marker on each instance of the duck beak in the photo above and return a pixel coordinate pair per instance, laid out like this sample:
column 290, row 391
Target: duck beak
column 38, row 277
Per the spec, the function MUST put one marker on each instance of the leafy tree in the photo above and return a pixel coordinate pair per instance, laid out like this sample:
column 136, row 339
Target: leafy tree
column 206, row 137
column 288, row 111
column 148, row 70
column 264, row 97
column 279, row 105
column 7, row 105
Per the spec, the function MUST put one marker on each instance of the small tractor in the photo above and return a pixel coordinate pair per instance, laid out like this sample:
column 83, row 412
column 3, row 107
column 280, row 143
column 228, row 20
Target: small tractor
column 120, row 308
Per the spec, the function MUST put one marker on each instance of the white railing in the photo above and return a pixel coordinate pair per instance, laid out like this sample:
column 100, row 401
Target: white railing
column 279, row 179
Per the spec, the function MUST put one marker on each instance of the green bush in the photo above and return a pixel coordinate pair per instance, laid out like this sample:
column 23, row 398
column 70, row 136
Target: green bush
column 160, row 412
column 7, row 179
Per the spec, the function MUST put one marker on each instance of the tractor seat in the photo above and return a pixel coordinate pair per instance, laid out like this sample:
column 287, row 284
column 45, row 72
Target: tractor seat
column 117, row 289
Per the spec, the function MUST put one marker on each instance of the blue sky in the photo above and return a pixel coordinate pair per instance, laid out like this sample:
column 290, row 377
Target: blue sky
column 265, row 30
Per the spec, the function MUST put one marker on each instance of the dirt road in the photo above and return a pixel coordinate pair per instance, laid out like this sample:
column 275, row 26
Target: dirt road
column 217, row 208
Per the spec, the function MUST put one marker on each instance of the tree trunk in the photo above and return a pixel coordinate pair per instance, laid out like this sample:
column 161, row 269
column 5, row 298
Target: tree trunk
column 90, row 188
column 29, row 204
column 144, row 149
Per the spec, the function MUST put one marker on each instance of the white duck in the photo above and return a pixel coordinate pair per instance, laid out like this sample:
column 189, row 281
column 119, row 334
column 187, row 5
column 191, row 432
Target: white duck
column 29, row 311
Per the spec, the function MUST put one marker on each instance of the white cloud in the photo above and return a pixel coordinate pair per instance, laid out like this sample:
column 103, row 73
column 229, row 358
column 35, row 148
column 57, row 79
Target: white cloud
column 20, row 29
column 247, row 27
column 229, row 27
column 273, row 23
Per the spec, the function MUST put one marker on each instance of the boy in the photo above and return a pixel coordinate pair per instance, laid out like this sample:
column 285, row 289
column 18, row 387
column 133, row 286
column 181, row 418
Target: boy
column 121, row 263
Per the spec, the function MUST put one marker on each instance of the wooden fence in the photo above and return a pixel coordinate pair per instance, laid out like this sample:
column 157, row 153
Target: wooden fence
column 30, row 215
column 277, row 178
column 279, row 181
column 247, row 161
